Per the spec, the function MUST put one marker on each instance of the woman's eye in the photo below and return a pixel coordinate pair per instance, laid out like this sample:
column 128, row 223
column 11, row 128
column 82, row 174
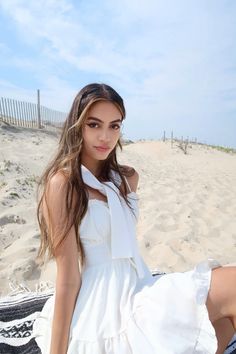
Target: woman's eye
column 92, row 125
column 116, row 126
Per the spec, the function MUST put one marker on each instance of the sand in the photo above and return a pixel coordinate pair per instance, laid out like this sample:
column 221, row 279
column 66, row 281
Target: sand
column 187, row 204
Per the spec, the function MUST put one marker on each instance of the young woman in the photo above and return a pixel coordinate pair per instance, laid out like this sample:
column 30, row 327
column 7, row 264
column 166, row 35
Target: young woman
column 106, row 299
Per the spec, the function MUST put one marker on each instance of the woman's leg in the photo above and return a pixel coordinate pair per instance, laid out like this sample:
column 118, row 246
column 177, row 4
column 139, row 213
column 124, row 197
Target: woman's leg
column 224, row 333
column 221, row 302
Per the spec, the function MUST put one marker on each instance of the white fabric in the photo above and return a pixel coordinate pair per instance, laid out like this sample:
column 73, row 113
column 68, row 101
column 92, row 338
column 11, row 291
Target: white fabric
column 123, row 235
column 116, row 312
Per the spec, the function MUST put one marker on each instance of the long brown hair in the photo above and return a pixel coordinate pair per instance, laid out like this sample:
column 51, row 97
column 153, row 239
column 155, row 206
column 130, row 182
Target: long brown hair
column 68, row 157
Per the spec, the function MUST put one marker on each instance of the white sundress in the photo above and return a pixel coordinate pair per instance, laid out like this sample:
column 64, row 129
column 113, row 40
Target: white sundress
column 116, row 312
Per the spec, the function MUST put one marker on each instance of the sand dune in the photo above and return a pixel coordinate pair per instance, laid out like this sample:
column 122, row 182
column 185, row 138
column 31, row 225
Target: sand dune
column 187, row 204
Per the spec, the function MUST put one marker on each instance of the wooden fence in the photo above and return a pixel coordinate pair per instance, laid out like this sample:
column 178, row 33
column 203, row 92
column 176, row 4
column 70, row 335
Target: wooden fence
column 182, row 143
column 30, row 115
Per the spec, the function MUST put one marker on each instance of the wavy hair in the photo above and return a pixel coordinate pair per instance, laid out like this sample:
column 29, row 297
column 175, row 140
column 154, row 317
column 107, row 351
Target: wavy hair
column 68, row 158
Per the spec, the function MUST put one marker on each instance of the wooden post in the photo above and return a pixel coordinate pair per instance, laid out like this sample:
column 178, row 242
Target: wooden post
column 172, row 139
column 1, row 108
column 164, row 136
column 15, row 113
column 38, row 107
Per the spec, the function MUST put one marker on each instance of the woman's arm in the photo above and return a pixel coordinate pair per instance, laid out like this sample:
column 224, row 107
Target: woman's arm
column 68, row 279
column 63, row 311
column 68, row 284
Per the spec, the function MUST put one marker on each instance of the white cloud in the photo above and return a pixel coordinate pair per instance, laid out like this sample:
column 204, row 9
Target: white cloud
column 9, row 90
column 168, row 60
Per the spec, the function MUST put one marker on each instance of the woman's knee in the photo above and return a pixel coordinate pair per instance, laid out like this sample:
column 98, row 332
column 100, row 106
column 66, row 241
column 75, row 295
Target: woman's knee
column 221, row 300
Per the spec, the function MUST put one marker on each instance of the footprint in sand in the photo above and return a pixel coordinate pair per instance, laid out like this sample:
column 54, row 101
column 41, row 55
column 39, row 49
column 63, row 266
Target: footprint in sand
column 32, row 271
column 11, row 219
column 6, row 240
column 33, row 249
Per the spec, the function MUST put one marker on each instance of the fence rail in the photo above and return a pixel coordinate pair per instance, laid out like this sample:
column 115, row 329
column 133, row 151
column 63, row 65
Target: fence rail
column 185, row 143
column 30, row 115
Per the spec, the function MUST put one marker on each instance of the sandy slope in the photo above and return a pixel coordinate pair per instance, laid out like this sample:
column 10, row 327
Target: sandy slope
column 187, row 204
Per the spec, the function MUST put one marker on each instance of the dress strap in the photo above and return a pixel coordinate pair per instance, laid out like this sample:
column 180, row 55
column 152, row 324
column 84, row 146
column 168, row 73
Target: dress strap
column 127, row 184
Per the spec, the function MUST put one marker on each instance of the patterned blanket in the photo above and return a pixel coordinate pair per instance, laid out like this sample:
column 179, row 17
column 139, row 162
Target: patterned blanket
column 18, row 311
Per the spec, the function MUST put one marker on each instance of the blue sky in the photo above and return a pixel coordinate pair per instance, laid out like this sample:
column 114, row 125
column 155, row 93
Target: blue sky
column 173, row 61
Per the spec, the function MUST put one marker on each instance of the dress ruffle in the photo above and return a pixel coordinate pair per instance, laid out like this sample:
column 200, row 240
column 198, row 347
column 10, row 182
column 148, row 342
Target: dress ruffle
column 167, row 315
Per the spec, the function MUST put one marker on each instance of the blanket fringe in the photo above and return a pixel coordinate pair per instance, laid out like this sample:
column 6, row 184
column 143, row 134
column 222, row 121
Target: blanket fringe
column 21, row 288
column 42, row 286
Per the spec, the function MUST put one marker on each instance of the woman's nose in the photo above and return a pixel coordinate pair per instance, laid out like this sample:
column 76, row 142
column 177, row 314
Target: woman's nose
column 105, row 135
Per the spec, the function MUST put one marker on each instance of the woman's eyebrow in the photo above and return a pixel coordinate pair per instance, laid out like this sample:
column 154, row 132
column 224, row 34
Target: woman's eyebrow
column 99, row 120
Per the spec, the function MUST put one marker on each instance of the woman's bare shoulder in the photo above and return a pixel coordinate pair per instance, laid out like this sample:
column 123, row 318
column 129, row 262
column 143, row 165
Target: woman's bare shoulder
column 58, row 186
column 59, row 178
column 57, row 183
column 132, row 176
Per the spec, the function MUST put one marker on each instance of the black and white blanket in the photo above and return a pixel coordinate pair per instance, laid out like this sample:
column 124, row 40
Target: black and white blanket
column 18, row 311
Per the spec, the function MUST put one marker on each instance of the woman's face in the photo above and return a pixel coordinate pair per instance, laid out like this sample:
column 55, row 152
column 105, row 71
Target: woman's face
column 101, row 130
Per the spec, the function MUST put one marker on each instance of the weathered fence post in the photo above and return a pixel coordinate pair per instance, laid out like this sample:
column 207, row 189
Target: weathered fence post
column 38, row 106
column 164, row 136
column 27, row 114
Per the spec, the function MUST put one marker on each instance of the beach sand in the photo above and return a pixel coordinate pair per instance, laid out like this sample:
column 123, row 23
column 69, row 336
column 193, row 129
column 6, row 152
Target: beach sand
column 187, row 204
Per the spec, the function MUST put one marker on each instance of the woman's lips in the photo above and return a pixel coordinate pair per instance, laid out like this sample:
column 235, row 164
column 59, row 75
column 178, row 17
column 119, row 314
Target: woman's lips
column 101, row 149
